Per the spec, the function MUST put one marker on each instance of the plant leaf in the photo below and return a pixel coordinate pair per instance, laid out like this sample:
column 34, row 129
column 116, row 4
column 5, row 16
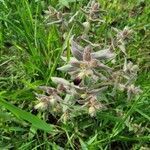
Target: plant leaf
column 67, row 68
column 64, row 3
column 103, row 54
column 91, row 140
column 60, row 81
column 76, row 50
column 34, row 120
column 83, row 145
column 71, row 59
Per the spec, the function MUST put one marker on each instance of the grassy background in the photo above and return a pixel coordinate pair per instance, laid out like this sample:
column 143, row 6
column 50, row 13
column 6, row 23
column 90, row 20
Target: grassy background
column 29, row 55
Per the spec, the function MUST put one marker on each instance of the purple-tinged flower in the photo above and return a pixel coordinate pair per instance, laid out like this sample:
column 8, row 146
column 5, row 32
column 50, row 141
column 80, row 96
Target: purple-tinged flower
column 86, row 62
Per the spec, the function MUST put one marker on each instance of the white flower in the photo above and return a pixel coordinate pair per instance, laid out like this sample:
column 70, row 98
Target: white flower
column 92, row 111
column 41, row 106
column 45, row 102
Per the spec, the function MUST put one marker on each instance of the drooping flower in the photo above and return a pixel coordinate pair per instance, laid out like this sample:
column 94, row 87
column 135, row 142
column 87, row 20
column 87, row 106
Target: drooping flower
column 51, row 100
column 94, row 105
column 43, row 103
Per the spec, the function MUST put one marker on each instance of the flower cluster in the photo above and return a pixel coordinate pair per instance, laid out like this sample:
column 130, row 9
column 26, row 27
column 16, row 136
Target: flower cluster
column 85, row 63
column 91, row 76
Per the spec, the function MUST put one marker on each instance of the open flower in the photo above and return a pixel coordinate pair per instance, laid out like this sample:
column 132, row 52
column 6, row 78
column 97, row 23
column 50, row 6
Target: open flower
column 94, row 105
column 45, row 102
column 85, row 62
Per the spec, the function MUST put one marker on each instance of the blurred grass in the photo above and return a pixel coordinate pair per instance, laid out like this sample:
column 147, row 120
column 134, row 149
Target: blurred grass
column 29, row 56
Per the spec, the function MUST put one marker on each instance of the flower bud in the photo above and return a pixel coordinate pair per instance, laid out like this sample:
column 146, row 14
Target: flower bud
column 84, row 96
column 53, row 101
column 86, row 26
column 77, row 81
column 92, row 111
column 41, row 106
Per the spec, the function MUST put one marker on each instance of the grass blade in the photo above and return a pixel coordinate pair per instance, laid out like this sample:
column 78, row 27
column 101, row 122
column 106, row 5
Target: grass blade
column 34, row 120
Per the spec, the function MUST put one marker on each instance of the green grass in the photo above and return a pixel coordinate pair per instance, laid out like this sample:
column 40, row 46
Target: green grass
column 29, row 55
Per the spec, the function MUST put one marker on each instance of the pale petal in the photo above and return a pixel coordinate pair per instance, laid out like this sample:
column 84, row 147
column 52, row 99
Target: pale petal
column 135, row 68
column 125, row 65
column 42, row 106
column 80, row 89
column 116, row 30
column 74, row 74
column 92, row 111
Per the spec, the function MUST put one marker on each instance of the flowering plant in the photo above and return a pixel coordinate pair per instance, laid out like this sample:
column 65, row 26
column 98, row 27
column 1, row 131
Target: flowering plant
column 93, row 76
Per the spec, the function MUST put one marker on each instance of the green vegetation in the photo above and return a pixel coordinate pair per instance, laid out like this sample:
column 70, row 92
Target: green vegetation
column 31, row 46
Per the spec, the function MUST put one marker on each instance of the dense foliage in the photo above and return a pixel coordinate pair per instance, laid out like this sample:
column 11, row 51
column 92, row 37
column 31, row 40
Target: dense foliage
column 74, row 74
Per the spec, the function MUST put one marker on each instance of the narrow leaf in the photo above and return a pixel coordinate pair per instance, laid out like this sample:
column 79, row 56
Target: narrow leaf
column 83, row 145
column 76, row 50
column 34, row 120
column 103, row 54
column 60, row 81
column 67, row 68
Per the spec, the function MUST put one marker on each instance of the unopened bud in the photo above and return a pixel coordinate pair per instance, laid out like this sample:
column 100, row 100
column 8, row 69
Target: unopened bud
column 83, row 96
column 92, row 111
column 77, row 81
column 41, row 106
column 86, row 26
column 53, row 101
